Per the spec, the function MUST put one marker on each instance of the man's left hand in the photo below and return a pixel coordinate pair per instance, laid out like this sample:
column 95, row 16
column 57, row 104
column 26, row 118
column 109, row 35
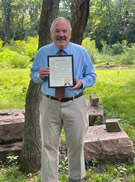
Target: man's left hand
column 78, row 84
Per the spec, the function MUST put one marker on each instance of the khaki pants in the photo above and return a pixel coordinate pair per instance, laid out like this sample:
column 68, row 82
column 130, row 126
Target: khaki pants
column 71, row 115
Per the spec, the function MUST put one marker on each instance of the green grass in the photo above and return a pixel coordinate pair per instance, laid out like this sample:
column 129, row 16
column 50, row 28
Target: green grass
column 116, row 88
column 13, row 88
column 110, row 173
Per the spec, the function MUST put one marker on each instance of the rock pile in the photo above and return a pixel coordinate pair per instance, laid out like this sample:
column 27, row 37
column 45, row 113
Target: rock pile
column 11, row 132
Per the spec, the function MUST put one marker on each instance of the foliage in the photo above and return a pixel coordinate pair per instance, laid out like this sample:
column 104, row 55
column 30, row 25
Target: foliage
column 117, row 173
column 114, row 49
column 117, row 53
column 18, row 54
column 19, row 19
column 11, row 173
column 129, row 55
column 91, row 48
column 11, row 59
column 26, row 47
column 63, row 165
column 66, row 8
column 111, row 173
column 1, row 43
column 111, row 21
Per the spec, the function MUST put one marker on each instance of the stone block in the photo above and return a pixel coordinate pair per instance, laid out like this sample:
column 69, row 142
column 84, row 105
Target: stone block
column 10, row 150
column 94, row 100
column 95, row 114
column 11, row 125
column 107, row 146
column 113, row 125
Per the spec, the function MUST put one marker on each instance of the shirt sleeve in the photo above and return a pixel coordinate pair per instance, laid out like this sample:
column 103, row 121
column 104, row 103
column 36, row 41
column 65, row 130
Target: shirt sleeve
column 35, row 70
column 89, row 75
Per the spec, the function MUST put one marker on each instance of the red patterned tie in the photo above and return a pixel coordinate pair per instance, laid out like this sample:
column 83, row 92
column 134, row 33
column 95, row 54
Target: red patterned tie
column 59, row 92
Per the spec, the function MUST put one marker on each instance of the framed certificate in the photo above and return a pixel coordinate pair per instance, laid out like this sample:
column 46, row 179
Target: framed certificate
column 61, row 71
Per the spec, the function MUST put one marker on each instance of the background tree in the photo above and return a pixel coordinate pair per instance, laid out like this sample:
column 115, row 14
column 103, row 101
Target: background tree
column 34, row 8
column 19, row 19
column 79, row 20
column 30, row 158
column 66, row 8
column 111, row 21
column 6, row 7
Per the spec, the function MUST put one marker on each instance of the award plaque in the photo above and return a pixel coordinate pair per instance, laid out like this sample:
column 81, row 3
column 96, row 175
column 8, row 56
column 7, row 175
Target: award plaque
column 61, row 71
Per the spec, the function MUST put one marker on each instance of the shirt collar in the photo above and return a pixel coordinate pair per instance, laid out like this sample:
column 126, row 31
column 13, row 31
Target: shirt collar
column 55, row 49
column 66, row 50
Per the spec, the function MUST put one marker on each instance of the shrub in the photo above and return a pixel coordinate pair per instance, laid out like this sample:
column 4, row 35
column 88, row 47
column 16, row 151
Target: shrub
column 127, row 57
column 117, row 48
column 18, row 54
column 114, row 49
column 12, row 59
column 28, row 47
column 106, row 49
column 1, row 42
column 90, row 45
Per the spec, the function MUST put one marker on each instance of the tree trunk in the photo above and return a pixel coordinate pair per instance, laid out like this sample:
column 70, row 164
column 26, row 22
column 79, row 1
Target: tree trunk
column 31, row 150
column 30, row 157
column 6, row 5
column 79, row 20
column 49, row 13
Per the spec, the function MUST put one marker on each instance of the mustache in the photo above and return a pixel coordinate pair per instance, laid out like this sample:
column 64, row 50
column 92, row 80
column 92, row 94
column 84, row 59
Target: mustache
column 60, row 38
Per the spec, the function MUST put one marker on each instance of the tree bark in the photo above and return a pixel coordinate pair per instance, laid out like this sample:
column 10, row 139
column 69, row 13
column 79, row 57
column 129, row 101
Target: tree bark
column 30, row 157
column 6, row 5
column 49, row 12
column 79, row 20
column 31, row 149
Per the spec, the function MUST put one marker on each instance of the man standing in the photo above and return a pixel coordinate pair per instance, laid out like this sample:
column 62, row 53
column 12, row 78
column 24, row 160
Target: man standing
column 70, row 111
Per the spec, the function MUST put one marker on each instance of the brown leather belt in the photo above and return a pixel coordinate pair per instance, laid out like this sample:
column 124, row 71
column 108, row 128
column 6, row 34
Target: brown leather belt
column 65, row 99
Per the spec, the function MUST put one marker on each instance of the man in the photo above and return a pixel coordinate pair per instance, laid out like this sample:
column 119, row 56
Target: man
column 69, row 112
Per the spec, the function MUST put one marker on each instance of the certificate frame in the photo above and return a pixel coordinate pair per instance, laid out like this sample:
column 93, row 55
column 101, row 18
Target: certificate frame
column 61, row 71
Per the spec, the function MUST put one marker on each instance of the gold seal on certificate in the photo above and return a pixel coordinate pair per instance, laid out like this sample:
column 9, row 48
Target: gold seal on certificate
column 61, row 71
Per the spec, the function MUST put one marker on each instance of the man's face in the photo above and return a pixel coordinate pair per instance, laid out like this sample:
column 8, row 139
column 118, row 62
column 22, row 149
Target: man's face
column 61, row 34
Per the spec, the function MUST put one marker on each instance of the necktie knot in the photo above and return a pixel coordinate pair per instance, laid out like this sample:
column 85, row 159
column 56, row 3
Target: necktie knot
column 61, row 51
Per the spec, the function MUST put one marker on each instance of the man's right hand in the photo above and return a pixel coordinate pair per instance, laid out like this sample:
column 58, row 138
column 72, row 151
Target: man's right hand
column 44, row 72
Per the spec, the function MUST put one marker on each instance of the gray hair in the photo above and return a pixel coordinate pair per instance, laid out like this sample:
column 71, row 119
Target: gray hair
column 60, row 18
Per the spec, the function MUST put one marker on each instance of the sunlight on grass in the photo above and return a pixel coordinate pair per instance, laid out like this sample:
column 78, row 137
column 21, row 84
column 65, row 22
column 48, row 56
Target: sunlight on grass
column 13, row 88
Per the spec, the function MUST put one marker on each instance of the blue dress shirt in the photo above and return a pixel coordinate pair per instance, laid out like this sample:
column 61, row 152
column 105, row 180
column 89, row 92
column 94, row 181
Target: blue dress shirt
column 82, row 64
